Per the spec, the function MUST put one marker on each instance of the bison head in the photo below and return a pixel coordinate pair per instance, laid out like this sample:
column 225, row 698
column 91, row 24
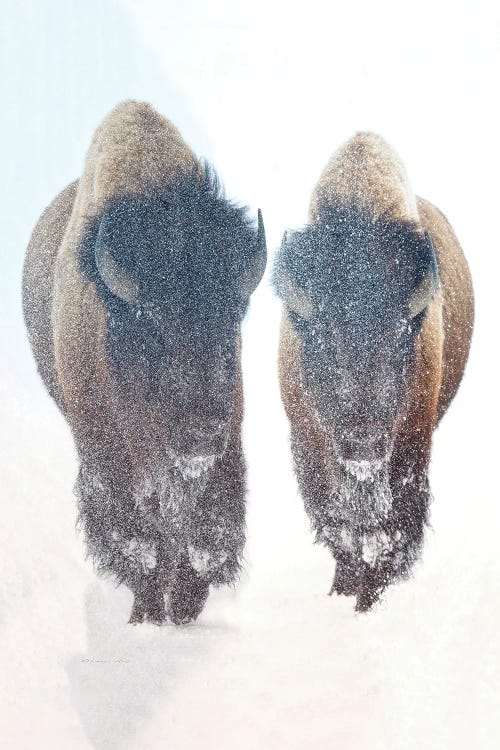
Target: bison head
column 175, row 269
column 356, row 292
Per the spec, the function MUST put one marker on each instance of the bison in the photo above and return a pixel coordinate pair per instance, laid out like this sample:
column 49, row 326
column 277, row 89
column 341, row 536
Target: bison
column 136, row 279
column 375, row 334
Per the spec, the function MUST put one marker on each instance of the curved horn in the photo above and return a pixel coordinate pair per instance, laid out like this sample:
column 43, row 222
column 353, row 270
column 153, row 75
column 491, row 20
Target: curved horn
column 118, row 281
column 429, row 284
column 292, row 296
column 258, row 263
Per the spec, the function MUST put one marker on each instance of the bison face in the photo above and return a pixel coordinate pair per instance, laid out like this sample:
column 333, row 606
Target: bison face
column 175, row 270
column 356, row 377
column 182, row 380
column 357, row 291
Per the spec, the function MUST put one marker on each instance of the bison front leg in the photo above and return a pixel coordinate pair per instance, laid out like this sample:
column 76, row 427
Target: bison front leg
column 149, row 603
column 187, row 594
column 354, row 577
column 389, row 553
column 215, row 540
column 217, row 535
column 122, row 540
column 347, row 576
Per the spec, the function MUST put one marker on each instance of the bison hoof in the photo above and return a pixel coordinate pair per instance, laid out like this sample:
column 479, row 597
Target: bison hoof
column 187, row 596
column 361, row 582
column 149, row 606
column 366, row 598
column 345, row 581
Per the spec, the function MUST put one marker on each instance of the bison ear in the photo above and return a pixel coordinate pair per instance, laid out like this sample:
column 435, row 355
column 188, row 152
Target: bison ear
column 119, row 281
column 429, row 284
column 293, row 297
column 257, row 265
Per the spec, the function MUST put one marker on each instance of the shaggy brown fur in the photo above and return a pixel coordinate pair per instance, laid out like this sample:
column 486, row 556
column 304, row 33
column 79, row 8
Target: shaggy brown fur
column 366, row 176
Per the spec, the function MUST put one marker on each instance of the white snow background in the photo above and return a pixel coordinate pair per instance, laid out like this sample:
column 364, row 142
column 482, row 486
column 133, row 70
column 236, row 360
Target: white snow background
column 266, row 90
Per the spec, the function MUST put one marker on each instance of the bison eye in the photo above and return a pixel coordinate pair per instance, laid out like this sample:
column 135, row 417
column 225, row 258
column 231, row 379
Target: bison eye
column 241, row 310
column 301, row 325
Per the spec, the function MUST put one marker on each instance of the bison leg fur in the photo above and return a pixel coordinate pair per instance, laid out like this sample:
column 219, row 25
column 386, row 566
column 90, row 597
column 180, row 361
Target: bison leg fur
column 217, row 534
column 149, row 603
column 367, row 577
column 120, row 541
column 216, row 539
column 187, row 594
column 346, row 579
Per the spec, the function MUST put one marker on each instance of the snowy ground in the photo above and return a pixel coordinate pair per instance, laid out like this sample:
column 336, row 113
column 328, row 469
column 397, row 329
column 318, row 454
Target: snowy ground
column 276, row 663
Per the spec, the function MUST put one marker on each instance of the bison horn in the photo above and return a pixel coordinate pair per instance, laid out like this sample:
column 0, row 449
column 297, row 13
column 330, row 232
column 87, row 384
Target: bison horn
column 294, row 298
column 428, row 286
column 258, row 265
column 116, row 278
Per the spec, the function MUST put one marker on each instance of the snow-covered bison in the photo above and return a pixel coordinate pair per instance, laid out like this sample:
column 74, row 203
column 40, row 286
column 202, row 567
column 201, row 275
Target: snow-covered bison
column 136, row 279
column 376, row 328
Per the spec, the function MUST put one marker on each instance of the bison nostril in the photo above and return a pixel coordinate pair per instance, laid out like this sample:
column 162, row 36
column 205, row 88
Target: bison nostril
column 198, row 441
column 212, row 429
column 203, row 434
column 361, row 445
column 207, row 426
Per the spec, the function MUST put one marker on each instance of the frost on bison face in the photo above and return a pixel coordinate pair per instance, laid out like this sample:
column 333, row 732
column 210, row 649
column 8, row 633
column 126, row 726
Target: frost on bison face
column 360, row 364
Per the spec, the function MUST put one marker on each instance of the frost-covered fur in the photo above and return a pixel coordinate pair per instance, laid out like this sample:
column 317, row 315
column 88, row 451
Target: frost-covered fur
column 373, row 526
column 169, row 522
column 377, row 181
column 364, row 380
column 150, row 383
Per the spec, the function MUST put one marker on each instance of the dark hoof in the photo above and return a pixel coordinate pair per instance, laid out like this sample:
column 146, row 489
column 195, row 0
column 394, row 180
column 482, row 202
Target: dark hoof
column 149, row 606
column 187, row 596
column 345, row 580
column 369, row 590
column 365, row 599
column 357, row 580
